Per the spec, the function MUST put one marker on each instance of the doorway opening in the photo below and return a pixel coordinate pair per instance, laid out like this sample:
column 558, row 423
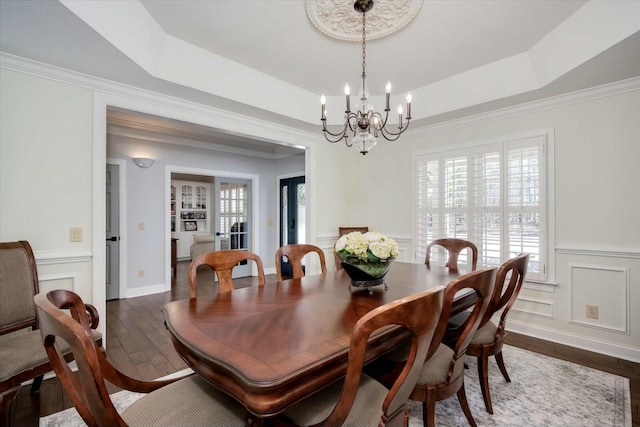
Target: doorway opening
column 210, row 211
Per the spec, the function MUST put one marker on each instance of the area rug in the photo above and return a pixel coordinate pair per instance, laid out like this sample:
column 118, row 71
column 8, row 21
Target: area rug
column 544, row 392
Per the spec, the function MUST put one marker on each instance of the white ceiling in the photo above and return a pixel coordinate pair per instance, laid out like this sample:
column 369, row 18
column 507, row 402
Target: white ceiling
column 267, row 60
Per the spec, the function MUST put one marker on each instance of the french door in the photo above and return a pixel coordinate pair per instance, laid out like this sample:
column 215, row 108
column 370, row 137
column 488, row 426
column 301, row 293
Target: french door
column 232, row 218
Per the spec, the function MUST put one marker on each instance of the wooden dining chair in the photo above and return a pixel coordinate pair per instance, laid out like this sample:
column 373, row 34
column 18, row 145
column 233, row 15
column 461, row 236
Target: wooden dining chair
column 359, row 400
column 341, row 232
column 489, row 338
column 23, row 356
column 453, row 248
column 443, row 371
column 180, row 401
column 294, row 254
column 222, row 262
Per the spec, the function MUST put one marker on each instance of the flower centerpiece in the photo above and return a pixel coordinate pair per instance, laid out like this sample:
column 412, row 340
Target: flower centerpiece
column 366, row 257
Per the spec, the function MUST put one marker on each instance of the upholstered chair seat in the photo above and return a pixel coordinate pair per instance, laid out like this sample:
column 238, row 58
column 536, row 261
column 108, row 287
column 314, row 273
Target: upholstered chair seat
column 436, row 369
column 364, row 412
column 20, row 353
column 486, row 334
column 192, row 402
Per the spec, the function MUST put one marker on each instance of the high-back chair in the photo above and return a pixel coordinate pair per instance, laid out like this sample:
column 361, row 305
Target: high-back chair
column 294, row 254
column 453, row 247
column 443, row 373
column 359, row 400
column 23, row 356
column 222, row 262
column 489, row 338
column 341, row 232
column 179, row 401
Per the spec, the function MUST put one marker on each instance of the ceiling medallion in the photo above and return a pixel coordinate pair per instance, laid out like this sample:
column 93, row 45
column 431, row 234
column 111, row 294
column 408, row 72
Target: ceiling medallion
column 338, row 19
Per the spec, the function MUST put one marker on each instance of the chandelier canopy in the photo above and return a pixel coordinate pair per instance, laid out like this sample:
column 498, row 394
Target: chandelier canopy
column 365, row 125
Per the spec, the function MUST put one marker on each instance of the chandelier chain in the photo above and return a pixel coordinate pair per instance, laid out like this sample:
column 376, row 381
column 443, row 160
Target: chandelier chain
column 364, row 55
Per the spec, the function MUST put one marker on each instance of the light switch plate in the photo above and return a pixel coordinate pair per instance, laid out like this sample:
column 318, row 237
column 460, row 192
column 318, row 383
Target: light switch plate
column 75, row 234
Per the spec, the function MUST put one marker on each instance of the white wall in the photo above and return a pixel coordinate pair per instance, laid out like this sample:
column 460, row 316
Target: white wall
column 45, row 175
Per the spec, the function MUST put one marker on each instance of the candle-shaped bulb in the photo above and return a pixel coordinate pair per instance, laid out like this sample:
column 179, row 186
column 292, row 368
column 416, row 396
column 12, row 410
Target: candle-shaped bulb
column 347, row 91
column 323, row 100
column 400, row 109
column 409, row 98
column 387, row 96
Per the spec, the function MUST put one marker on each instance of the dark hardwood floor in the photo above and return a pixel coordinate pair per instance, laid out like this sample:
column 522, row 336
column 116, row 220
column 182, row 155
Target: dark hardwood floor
column 139, row 345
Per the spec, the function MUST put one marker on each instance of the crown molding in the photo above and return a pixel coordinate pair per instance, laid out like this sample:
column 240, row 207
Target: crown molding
column 576, row 97
column 255, row 127
column 251, row 127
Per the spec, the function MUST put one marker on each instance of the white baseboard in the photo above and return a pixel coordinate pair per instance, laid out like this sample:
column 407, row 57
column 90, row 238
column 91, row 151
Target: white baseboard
column 146, row 290
column 597, row 346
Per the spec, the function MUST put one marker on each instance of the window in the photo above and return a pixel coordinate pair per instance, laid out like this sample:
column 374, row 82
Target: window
column 493, row 195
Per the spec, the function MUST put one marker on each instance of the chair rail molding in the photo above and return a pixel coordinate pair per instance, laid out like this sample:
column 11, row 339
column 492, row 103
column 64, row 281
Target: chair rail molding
column 62, row 257
column 601, row 251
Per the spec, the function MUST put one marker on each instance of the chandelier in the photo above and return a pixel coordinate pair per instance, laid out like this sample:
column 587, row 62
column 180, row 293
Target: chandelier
column 365, row 125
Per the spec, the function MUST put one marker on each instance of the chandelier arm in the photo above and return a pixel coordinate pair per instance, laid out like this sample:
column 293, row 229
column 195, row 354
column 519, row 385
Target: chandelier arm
column 349, row 118
column 339, row 137
column 392, row 136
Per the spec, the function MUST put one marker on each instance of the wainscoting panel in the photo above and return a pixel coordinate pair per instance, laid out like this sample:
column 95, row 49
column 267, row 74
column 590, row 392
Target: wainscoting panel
column 535, row 307
column 69, row 270
column 605, row 287
column 51, row 282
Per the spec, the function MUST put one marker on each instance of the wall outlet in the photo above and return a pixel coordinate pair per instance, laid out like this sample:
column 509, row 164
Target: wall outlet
column 141, row 273
column 592, row 311
column 75, row 234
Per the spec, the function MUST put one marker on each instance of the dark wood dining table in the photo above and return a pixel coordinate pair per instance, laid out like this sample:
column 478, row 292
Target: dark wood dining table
column 273, row 345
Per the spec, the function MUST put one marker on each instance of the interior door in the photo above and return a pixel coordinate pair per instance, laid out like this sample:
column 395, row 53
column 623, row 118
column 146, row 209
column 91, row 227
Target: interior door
column 233, row 218
column 113, row 232
column 292, row 215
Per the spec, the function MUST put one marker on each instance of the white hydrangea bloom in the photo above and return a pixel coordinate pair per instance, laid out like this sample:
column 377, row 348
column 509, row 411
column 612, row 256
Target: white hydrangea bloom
column 367, row 246
column 341, row 243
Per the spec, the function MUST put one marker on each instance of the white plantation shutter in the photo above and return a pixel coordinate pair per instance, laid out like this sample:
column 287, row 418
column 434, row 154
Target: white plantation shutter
column 526, row 225
column 487, row 207
column 428, row 203
column 491, row 195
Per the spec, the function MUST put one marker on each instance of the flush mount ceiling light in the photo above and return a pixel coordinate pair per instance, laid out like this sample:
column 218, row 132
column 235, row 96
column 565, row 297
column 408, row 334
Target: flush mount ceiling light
column 143, row 162
column 366, row 125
